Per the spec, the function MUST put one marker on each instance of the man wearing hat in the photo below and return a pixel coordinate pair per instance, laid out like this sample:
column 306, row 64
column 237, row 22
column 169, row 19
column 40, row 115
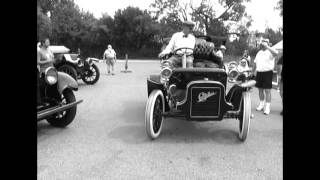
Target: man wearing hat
column 221, row 51
column 180, row 40
column 264, row 65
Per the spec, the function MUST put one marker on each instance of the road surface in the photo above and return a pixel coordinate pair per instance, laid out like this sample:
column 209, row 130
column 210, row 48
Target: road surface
column 107, row 139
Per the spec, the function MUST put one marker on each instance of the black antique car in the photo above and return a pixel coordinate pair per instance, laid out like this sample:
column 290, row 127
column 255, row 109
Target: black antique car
column 76, row 67
column 55, row 98
column 197, row 94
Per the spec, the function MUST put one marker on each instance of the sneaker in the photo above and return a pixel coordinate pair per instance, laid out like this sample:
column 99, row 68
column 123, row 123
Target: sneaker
column 266, row 110
column 260, row 107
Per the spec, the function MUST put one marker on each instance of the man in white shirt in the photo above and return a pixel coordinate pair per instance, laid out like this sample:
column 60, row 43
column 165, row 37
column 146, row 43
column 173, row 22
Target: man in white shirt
column 180, row 40
column 264, row 65
column 110, row 56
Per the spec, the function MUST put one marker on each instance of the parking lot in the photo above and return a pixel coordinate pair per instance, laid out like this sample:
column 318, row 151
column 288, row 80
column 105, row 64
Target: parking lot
column 107, row 139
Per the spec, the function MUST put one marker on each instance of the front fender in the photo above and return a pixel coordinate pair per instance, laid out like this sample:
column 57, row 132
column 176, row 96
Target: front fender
column 153, row 83
column 66, row 81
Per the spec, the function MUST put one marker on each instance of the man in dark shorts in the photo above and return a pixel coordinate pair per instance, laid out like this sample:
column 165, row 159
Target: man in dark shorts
column 264, row 65
column 280, row 64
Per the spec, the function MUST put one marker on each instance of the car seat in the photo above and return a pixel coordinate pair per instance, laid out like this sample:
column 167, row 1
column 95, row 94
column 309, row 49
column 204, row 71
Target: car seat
column 203, row 50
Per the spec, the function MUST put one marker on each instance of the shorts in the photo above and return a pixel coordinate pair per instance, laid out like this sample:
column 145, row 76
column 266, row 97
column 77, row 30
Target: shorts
column 110, row 61
column 264, row 80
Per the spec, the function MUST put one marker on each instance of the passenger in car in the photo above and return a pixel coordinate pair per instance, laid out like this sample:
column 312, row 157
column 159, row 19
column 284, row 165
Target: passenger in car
column 221, row 51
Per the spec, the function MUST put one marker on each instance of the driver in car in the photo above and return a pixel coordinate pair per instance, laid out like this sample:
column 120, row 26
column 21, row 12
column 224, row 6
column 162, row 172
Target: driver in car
column 183, row 39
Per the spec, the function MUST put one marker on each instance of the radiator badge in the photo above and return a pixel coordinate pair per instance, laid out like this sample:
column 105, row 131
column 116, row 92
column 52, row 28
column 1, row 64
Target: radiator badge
column 204, row 96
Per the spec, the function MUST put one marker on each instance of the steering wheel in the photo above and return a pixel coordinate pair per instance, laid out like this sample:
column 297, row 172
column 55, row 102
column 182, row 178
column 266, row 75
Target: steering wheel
column 175, row 52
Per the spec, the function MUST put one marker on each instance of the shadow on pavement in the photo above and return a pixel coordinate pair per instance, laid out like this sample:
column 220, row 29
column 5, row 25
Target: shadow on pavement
column 180, row 131
column 173, row 130
column 133, row 111
column 44, row 129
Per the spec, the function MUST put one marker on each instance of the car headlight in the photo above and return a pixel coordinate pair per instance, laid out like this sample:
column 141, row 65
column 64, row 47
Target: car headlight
column 80, row 63
column 51, row 75
column 233, row 74
column 89, row 60
column 166, row 73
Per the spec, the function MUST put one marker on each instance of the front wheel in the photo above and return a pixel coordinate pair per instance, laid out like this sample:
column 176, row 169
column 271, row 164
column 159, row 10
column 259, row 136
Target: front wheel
column 154, row 114
column 64, row 118
column 91, row 75
column 244, row 116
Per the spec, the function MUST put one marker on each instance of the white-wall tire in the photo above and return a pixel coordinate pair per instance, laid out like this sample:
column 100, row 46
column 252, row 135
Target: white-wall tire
column 245, row 116
column 154, row 114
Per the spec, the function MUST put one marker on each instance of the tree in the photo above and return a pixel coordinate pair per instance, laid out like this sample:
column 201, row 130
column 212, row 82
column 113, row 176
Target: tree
column 273, row 36
column 47, row 5
column 66, row 20
column 280, row 7
column 206, row 16
column 133, row 29
column 44, row 26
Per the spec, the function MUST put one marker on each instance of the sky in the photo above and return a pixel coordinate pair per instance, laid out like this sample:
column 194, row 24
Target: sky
column 262, row 11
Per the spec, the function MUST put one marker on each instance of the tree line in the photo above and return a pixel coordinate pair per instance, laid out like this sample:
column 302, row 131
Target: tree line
column 139, row 33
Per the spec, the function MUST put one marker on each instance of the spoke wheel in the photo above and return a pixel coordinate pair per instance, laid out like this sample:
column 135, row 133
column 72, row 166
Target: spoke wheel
column 244, row 116
column 154, row 114
column 69, row 70
column 92, row 75
column 64, row 118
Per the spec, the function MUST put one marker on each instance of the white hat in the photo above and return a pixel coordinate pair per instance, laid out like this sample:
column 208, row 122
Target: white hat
column 188, row 23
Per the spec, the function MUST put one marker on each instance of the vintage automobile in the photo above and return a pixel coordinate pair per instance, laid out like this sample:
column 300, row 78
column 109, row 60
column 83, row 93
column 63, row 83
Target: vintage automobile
column 196, row 94
column 76, row 67
column 56, row 101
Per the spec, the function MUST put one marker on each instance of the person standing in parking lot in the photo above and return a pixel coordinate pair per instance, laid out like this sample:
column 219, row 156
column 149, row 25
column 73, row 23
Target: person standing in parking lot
column 263, row 69
column 45, row 57
column 110, row 56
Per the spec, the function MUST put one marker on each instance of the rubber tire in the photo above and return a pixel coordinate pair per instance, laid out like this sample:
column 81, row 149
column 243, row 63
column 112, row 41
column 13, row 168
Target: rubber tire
column 246, row 110
column 71, row 70
column 70, row 113
column 154, row 95
column 97, row 76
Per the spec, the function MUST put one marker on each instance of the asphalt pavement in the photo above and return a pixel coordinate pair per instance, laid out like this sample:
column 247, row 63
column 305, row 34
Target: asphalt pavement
column 107, row 139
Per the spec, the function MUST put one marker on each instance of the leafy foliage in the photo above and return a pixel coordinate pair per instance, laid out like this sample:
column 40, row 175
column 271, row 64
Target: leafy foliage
column 136, row 32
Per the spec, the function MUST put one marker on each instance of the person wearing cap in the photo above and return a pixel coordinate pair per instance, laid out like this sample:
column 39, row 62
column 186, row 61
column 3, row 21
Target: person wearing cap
column 243, row 66
column 263, row 70
column 180, row 40
column 221, row 51
column 110, row 56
